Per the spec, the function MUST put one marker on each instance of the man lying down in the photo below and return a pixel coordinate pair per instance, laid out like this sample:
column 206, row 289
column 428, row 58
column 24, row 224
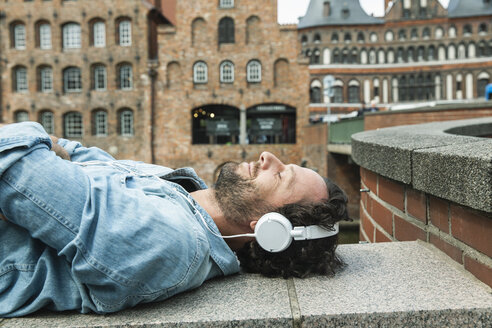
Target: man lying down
column 83, row 231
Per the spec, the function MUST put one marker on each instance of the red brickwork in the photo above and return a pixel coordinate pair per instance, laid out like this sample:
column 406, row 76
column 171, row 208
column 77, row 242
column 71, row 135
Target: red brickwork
column 462, row 233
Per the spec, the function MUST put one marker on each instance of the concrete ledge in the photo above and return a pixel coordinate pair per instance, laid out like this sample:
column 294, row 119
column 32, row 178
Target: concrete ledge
column 384, row 284
column 430, row 159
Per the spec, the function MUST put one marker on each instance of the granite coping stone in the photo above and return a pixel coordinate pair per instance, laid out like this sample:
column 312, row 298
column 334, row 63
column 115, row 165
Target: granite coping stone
column 404, row 153
column 384, row 284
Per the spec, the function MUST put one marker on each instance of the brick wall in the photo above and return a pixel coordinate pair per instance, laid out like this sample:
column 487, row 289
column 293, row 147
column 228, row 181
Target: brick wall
column 383, row 120
column 392, row 211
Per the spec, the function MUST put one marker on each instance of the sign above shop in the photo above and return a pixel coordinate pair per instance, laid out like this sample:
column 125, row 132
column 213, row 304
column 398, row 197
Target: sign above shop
column 271, row 108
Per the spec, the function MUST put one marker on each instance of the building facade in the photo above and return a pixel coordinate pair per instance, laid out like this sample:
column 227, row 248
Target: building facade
column 418, row 52
column 230, row 85
column 81, row 69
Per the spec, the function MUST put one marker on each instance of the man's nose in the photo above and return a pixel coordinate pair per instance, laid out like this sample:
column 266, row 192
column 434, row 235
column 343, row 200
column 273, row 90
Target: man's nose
column 270, row 161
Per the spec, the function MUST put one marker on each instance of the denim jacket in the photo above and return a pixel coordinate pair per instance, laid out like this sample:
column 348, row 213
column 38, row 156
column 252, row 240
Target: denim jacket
column 97, row 235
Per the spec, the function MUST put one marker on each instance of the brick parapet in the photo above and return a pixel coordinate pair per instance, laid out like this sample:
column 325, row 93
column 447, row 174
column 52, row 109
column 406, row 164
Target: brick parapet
column 394, row 210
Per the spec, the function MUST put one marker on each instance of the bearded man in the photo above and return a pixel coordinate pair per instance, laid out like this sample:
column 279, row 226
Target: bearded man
column 83, row 231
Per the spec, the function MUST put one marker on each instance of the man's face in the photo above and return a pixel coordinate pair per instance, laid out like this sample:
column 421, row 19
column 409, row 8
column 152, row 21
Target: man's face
column 252, row 189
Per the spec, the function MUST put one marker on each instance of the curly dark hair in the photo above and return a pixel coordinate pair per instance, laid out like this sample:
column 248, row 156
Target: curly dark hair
column 303, row 257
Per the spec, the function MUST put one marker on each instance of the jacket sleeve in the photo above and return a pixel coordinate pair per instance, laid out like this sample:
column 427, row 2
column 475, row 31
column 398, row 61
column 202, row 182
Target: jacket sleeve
column 79, row 153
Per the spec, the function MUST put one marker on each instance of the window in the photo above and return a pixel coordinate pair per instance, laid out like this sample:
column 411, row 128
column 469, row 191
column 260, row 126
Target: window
column 226, row 30
column 483, row 80
column 99, row 34
column 388, row 36
column 439, row 33
column 354, row 92
column 337, row 92
column 271, row 124
column 99, row 77
column 402, row 35
column 253, row 71
column 215, row 124
column 304, row 40
column 452, row 32
column 347, row 38
column 100, row 123
column 467, row 30
column 21, row 116
column 18, row 35
column 414, row 34
column 73, row 125
column 71, row 36
column 226, row 72
column 44, row 31
column 315, row 92
column 125, row 32
column 126, row 76
column 226, row 4
column 482, row 29
column 373, row 37
column 360, row 37
column 426, row 33
column 326, row 9
column 72, row 79
column 315, row 58
column 45, row 79
column 317, row 38
column 334, row 38
column 126, row 122
column 200, row 72
column 20, row 79
column 47, row 121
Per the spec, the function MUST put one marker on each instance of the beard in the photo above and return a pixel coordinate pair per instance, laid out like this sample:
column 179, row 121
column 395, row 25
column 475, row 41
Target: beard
column 238, row 198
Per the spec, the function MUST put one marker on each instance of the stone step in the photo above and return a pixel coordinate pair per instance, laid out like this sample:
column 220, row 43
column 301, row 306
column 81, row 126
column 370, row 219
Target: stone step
column 399, row 284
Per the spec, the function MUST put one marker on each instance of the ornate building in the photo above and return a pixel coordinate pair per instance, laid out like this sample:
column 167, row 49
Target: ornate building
column 81, row 69
column 418, row 52
column 230, row 85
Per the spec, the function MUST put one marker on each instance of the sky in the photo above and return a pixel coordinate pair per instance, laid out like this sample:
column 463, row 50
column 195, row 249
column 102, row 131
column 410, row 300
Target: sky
column 290, row 10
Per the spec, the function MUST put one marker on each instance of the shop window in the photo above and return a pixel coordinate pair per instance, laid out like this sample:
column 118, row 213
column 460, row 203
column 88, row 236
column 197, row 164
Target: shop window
column 271, row 124
column 215, row 124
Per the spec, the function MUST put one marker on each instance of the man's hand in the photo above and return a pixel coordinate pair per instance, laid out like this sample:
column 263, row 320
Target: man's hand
column 59, row 150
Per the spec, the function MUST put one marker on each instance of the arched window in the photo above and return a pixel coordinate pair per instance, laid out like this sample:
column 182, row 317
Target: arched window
column 43, row 35
column 200, row 72
column 71, row 36
column 174, row 75
column 360, row 37
column 372, row 57
column 389, row 36
column 441, row 52
column 381, row 56
column 99, row 123
column 400, row 55
column 18, row 35
column 439, row 33
column 373, row 37
column 394, row 89
column 347, row 38
column 19, row 79
column 363, row 56
column 304, row 40
column 426, row 33
column 316, row 57
column 353, row 91
column 431, row 53
column 461, row 51
column 354, row 56
column 198, row 31
column 72, row 79
column 337, row 91
column 414, row 34
column 226, row 30
column 73, row 124
column 125, row 79
column 315, row 92
column 125, row 122
column 326, row 56
column 99, row 77
column 45, row 78
column 482, row 80
column 123, row 31
column 482, row 49
column 21, row 116
column 281, row 73
column 253, row 71
column 334, row 37
column 226, row 72
column 345, row 56
column 402, row 35
column 317, row 38
column 482, row 29
column 391, row 56
column 467, row 30
column 46, row 118
column 98, row 33
column 451, row 51
column 452, row 31
column 420, row 53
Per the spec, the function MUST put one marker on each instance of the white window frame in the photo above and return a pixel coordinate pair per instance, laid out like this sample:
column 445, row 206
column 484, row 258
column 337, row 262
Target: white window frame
column 45, row 36
column 21, row 79
column 47, row 121
column 74, row 126
column 125, row 32
column 20, row 36
column 126, row 77
column 71, row 36
column 253, row 71
column 126, row 123
column 72, row 75
column 200, row 72
column 100, row 72
column 101, row 123
column 21, row 116
column 99, row 34
column 226, row 72
column 46, row 79
column 226, row 4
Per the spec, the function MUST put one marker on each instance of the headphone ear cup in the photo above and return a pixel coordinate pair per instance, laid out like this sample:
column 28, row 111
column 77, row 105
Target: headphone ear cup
column 273, row 232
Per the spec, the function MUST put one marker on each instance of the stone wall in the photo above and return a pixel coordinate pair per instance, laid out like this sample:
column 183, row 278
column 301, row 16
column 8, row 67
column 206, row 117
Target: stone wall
column 440, row 193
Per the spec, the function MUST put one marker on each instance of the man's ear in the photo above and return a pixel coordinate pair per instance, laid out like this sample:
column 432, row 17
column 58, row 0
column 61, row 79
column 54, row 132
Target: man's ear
column 252, row 224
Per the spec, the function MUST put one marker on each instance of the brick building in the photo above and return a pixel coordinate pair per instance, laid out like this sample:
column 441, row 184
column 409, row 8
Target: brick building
column 230, row 85
column 81, row 68
column 418, row 52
